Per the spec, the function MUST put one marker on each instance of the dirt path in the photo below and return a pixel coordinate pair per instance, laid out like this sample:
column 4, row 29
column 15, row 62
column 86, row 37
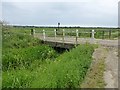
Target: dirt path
column 110, row 56
column 103, row 72
column 111, row 69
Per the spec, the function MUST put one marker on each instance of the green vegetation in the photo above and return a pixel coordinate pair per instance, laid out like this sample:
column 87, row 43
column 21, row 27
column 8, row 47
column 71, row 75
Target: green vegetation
column 22, row 50
column 12, row 58
column 29, row 63
column 67, row 71
column 11, row 40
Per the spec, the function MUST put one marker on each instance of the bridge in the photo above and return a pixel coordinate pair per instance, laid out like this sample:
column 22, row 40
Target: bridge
column 63, row 40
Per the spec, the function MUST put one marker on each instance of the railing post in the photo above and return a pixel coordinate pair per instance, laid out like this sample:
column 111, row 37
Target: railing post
column 93, row 32
column 63, row 36
column 43, row 34
column 77, row 36
column 109, row 34
column 55, row 33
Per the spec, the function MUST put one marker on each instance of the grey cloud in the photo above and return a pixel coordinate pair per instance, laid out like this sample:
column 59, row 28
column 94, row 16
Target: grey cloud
column 50, row 13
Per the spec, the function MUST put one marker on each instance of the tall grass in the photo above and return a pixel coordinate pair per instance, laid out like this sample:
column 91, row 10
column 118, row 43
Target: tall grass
column 67, row 71
column 12, row 58
column 22, row 50
column 12, row 40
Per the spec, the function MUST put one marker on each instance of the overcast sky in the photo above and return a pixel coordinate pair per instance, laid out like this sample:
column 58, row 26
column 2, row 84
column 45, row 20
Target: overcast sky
column 76, row 12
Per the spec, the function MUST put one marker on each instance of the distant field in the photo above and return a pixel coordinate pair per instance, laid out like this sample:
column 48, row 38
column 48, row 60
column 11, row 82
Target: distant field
column 101, row 33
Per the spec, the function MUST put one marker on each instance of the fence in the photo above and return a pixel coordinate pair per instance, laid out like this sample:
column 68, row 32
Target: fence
column 93, row 34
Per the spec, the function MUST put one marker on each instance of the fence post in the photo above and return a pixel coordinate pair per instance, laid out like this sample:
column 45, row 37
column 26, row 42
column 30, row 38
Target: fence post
column 93, row 32
column 90, row 33
column 43, row 34
column 109, row 34
column 32, row 32
column 55, row 33
column 77, row 36
column 63, row 36
column 103, row 34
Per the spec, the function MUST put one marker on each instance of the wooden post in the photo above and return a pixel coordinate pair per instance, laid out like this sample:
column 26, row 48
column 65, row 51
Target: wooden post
column 93, row 32
column 32, row 32
column 77, row 36
column 43, row 34
column 63, row 36
column 90, row 33
column 103, row 34
column 55, row 33
column 109, row 34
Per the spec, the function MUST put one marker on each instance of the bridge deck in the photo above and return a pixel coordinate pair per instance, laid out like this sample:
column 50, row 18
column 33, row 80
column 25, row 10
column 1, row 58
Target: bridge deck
column 72, row 40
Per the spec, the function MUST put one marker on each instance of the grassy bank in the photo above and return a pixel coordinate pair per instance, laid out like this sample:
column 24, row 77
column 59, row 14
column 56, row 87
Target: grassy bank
column 28, row 63
column 67, row 71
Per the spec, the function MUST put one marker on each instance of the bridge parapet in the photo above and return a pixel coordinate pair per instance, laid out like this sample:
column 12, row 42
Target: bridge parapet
column 74, row 37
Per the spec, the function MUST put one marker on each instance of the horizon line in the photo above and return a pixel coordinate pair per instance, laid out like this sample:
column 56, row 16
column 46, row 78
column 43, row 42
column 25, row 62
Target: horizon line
column 64, row 25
